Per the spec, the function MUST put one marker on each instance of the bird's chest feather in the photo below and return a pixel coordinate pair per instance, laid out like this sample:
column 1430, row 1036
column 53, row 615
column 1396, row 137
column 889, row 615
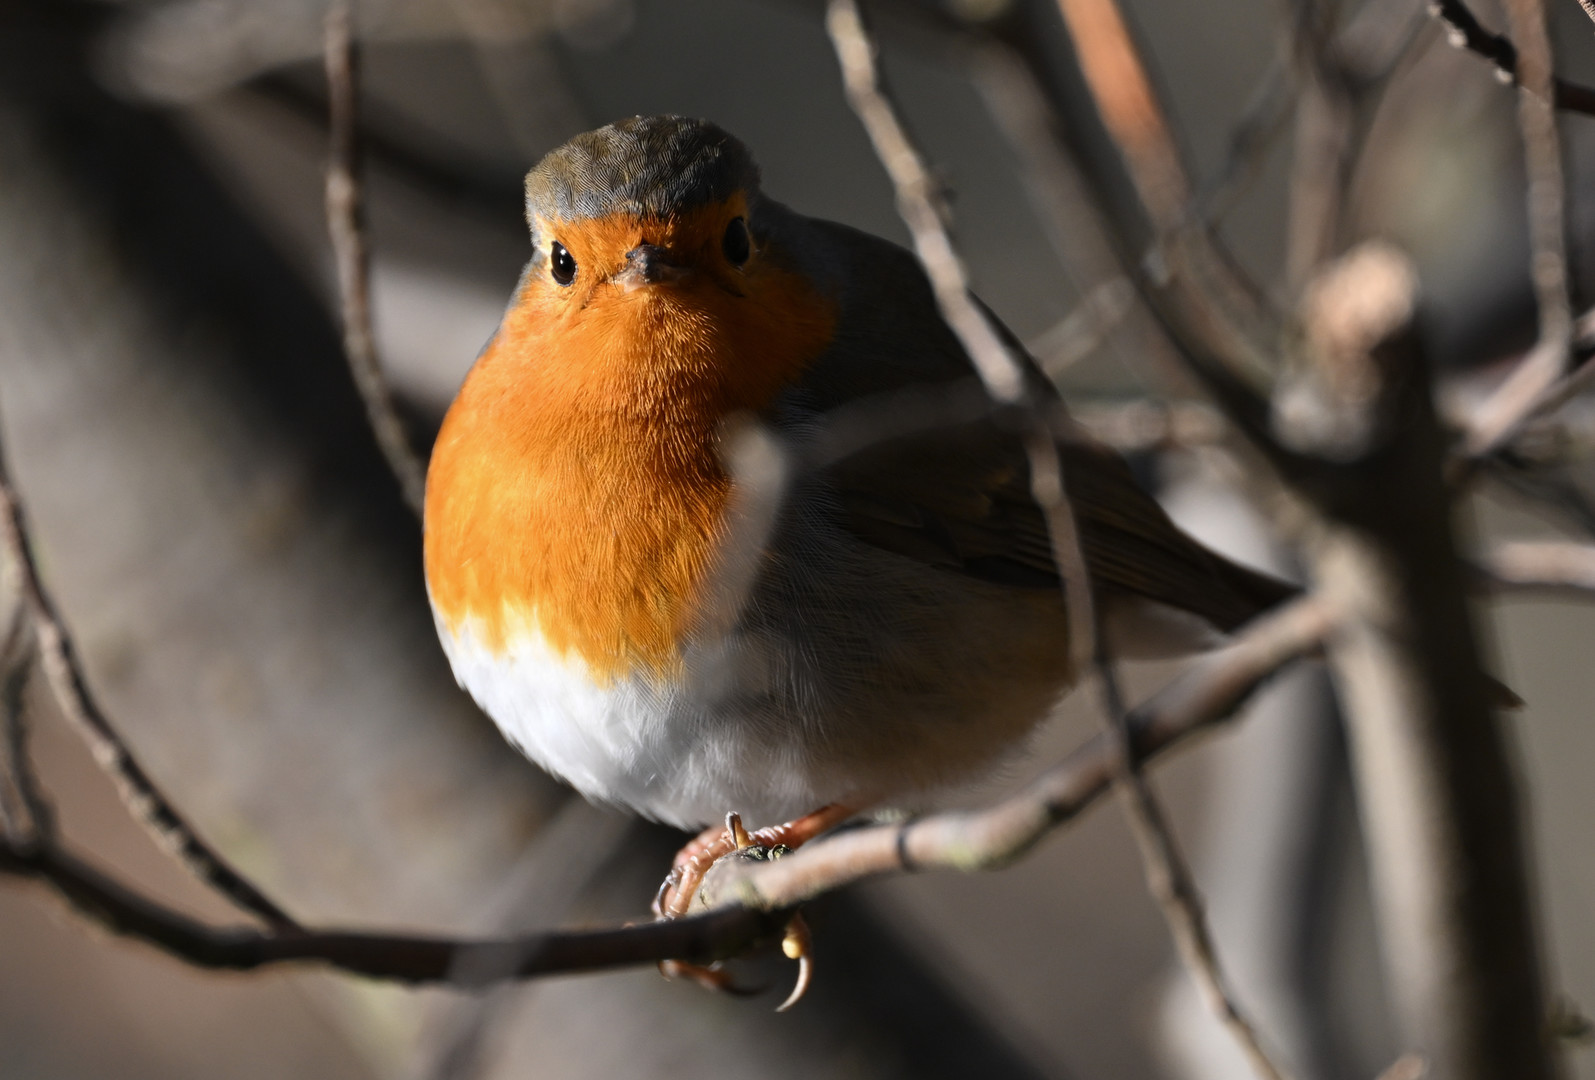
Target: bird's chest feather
column 576, row 492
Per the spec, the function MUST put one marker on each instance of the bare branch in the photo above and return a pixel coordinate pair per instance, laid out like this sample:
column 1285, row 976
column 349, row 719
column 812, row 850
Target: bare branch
column 346, row 225
column 1532, row 566
column 1133, row 115
column 919, row 202
column 1468, row 33
column 756, row 898
column 144, row 800
column 396, row 957
column 1129, row 107
column 1435, row 790
column 1503, row 413
column 1406, row 1067
column 1004, row 375
column 40, row 813
column 1171, row 882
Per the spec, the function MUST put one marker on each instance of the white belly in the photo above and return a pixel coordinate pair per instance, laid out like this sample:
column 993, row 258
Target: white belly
column 655, row 749
column 874, row 682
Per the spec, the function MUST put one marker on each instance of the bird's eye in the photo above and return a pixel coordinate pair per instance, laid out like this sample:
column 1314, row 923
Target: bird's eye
column 736, row 244
column 561, row 265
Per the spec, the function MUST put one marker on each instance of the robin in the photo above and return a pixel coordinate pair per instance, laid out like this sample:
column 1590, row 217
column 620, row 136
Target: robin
column 898, row 624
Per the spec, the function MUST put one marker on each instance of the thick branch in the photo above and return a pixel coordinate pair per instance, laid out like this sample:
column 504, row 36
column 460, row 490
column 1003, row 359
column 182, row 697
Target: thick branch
column 1451, row 879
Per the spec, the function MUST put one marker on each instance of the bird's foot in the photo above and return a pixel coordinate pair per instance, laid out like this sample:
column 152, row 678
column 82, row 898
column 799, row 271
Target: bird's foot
column 682, row 885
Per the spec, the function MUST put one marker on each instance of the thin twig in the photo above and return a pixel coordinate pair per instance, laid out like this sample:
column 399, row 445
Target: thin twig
column 1171, row 882
column 1325, row 148
column 1003, row 375
column 1503, row 413
column 23, row 805
column 1467, row 33
column 40, row 812
column 1130, row 110
column 397, row 957
column 1081, row 332
column 144, row 800
column 756, row 898
column 920, row 204
column 346, row 225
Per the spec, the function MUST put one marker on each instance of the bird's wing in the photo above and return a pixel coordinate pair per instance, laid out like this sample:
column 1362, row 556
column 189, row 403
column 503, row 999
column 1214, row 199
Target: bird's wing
column 956, row 495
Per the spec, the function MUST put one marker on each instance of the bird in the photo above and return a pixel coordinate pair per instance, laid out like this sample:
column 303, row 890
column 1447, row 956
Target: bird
column 722, row 521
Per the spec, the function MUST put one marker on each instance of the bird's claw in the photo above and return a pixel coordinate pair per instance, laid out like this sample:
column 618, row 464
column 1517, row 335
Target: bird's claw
column 798, row 945
column 694, row 861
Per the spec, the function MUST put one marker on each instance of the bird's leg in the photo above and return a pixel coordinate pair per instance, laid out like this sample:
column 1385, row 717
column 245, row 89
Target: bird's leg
column 693, row 861
column 675, row 894
column 687, row 861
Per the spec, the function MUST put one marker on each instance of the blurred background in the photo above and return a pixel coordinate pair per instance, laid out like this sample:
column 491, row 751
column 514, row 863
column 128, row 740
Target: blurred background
column 245, row 581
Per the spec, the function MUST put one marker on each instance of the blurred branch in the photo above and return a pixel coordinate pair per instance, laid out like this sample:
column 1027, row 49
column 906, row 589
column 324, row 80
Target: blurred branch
column 1406, row 1067
column 1324, row 150
column 1081, row 332
column 143, row 798
column 346, row 224
column 1517, row 398
column 1531, row 566
column 1170, row 880
column 23, row 806
column 1451, row 878
column 1144, row 424
column 1468, row 33
column 1133, row 112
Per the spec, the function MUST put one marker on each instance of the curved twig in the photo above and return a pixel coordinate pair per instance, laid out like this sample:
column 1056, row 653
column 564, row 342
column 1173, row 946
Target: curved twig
column 346, row 225
column 143, row 798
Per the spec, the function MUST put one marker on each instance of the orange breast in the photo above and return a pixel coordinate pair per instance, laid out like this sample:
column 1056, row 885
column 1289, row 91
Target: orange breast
column 576, row 489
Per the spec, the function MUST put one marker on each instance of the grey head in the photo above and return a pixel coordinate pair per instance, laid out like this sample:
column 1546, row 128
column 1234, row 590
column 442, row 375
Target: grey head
column 645, row 166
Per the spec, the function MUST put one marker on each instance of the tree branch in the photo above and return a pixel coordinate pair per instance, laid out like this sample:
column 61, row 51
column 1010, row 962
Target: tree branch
column 395, row 957
column 346, row 225
column 1501, row 415
column 1131, row 112
column 755, row 899
column 143, row 798
column 1467, row 33
column 1538, row 566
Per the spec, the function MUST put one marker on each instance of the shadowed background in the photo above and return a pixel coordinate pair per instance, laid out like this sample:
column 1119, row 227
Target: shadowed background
column 245, row 582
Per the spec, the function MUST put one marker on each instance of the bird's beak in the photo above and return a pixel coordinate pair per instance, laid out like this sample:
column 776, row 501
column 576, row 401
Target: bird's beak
column 648, row 264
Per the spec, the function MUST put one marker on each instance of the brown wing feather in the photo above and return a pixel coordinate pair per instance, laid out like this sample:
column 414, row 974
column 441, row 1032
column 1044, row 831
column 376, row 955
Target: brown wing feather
column 960, row 499
column 957, row 495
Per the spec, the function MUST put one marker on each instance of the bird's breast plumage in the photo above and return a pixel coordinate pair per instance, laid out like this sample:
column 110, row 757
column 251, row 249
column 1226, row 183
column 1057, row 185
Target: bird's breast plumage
column 576, row 486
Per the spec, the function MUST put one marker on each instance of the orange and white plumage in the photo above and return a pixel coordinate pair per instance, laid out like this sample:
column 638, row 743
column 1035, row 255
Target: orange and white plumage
column 899, row 625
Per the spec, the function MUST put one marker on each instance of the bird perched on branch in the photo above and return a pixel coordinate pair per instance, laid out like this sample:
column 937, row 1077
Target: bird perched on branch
column 721, row 520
